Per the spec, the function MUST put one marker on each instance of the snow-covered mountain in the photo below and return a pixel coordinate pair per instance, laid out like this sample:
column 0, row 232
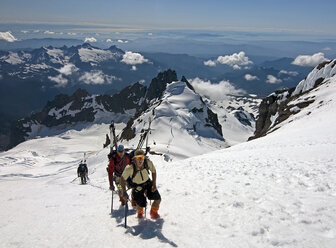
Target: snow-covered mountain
column 275, row 191
column 282, row 107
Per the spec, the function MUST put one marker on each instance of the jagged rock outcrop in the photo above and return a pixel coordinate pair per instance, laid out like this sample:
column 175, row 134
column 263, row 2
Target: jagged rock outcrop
column 280, row 105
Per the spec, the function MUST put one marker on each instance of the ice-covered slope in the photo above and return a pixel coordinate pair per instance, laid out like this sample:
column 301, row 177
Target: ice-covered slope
column 275, row 191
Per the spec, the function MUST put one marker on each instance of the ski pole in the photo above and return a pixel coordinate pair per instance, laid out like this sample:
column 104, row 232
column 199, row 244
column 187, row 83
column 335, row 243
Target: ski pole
column 112, row 204
column 73, row 180
column 126, row 211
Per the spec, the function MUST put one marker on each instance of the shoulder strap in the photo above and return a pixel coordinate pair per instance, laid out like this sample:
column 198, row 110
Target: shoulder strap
column 135, row 170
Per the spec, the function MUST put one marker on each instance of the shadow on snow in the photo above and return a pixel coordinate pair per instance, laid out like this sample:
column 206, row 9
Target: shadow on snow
column 145, row 229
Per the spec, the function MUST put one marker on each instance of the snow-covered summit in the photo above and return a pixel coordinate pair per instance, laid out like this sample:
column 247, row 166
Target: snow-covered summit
column 179, row 117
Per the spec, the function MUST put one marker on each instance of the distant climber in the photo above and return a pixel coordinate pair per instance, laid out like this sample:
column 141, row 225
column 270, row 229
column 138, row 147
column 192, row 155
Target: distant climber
column 82, row 172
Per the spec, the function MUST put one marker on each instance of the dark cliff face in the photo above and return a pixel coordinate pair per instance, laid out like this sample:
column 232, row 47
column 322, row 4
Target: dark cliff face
column 159, row 84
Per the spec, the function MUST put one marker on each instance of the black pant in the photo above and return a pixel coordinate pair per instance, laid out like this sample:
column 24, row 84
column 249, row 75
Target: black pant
column 140, row 195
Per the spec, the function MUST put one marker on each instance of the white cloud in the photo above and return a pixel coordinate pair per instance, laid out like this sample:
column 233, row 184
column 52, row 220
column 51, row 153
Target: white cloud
column 309, row 60
column 90, row 40
column 327, row 49
column 150, row 34
column 290, row 73
column 249, row 77
column 273, row 80
column 1, row 77
column 109, row 40
column 236, row 67
column 68, row 69
column 214, row 91
column 131, row 58
column 133, row 68
column 36, row 31
column 49, row 32
column 122, row 41
column 235, row 60
column 209, row 63
column 72, row 33
column 7, row 36
column 97, row 77
column 59, row 80
column 25, row 31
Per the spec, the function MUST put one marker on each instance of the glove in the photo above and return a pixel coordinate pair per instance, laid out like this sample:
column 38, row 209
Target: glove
column 112, row 187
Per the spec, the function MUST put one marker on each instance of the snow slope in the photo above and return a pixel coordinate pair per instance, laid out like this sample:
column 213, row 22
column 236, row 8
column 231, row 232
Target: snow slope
column 275, row 191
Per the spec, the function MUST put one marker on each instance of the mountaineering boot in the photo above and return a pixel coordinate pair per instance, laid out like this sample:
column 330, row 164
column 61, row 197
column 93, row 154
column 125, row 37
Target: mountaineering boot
column 154, row 213
column 140, row 212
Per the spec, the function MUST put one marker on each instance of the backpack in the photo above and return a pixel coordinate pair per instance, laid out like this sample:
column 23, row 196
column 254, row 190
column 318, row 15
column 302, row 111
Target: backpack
column 117, row 166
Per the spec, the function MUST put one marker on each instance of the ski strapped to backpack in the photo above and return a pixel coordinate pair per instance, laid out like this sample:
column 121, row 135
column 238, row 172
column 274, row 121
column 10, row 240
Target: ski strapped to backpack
column 113, row 137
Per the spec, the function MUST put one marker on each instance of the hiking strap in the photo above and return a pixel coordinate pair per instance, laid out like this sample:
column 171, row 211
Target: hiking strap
column 135, row 171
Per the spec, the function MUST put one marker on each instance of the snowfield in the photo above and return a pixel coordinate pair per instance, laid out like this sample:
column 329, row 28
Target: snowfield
column 275, row 191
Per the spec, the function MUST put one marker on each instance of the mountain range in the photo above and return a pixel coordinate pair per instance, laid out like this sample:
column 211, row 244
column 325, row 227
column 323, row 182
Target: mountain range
column 32, row 77
column 173, row 105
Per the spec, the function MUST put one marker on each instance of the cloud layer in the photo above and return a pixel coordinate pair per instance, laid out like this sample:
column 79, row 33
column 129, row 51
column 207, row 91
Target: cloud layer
column 90, row 40
column 7, row 36
column 68, row 69
column 215, row 92
column 249, row 77
column 273, row 80
column 131, row 58
column 309, row 60
column 97, row 77
column 235, row 60
column 60, row 80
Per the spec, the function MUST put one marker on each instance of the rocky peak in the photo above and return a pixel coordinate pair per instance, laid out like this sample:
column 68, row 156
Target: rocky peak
column 159, row 84
column 188, row 84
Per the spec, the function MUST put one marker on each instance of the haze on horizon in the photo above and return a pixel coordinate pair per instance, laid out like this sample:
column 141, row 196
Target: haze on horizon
column 286, row 16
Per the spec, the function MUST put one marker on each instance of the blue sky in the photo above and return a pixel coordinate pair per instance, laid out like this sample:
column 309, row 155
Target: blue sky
column 293, row 16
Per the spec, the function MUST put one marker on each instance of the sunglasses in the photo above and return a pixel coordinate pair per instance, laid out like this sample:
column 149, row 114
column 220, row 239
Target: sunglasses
column 139, row 157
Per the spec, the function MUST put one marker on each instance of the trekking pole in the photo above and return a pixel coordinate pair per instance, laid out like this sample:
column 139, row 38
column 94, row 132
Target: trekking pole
column 112, row 204
column 126, row 212
column 73, row 180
